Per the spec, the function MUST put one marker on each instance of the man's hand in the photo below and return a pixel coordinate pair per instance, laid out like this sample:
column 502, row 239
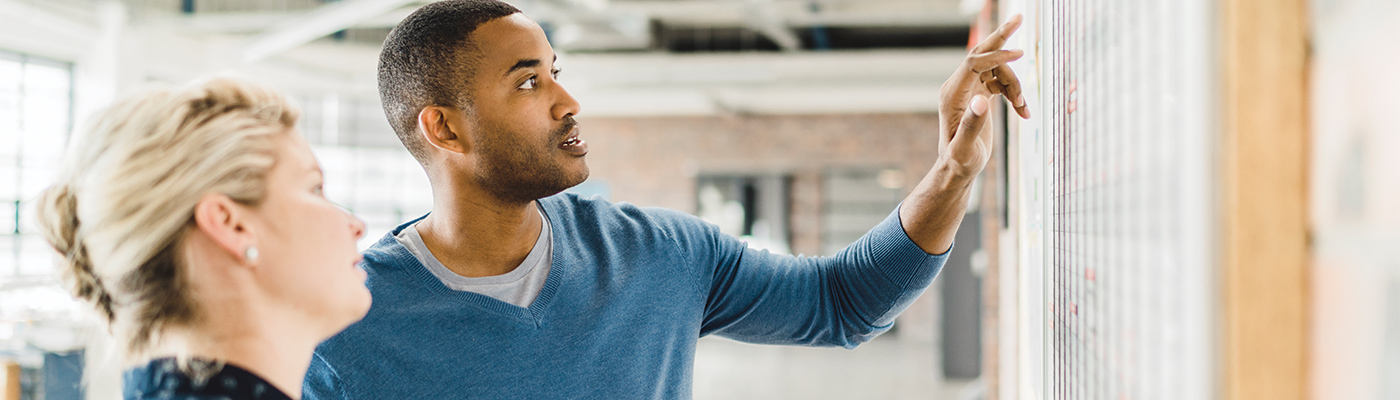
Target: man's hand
column 932, row 213
column 963, row 146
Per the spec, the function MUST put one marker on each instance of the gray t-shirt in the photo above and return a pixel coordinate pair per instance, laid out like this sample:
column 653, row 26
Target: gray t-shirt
column 518, row 287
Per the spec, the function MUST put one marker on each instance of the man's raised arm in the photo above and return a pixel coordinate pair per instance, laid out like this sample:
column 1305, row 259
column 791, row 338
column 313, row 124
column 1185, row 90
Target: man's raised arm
column 932, row 212
column 852, row 296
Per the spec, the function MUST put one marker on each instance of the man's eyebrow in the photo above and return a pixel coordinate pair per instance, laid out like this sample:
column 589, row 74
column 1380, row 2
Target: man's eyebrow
column 530, row 63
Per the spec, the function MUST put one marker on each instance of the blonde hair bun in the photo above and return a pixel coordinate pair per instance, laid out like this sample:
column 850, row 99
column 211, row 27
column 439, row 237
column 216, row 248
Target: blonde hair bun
column 129, row 185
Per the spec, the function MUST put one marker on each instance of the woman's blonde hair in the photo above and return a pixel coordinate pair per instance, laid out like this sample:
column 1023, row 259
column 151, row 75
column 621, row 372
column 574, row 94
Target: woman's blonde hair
column 126, row 197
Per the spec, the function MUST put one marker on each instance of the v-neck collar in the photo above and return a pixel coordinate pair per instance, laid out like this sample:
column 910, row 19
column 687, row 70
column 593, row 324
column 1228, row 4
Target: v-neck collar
column 532, row 315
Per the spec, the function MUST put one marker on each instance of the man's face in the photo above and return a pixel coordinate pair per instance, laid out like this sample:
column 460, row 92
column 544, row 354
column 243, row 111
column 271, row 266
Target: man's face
column 524, row 139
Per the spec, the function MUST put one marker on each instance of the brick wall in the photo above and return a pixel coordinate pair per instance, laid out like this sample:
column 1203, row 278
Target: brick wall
column 653, row 161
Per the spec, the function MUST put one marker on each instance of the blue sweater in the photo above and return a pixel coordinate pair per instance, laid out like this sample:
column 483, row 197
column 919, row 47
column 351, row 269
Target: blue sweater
column 628, row 294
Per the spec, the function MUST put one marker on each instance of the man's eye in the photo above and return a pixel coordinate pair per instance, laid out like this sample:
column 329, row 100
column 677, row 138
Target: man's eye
column 555, row 73
column 528, row 85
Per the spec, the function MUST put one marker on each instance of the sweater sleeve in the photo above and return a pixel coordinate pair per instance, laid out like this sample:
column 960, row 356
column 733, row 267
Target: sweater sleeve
column 842, row 300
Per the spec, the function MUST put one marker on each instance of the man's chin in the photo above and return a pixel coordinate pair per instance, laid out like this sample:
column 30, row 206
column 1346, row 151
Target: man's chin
column 579, row 177
column 572, row 179
column 524, row 184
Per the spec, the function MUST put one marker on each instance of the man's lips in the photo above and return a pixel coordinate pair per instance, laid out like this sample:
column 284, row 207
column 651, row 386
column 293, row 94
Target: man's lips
column 573, row 145
column 572, row 139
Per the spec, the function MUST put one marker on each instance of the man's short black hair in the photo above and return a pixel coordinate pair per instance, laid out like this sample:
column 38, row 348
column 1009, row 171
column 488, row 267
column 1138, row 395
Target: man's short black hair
column 427, row 61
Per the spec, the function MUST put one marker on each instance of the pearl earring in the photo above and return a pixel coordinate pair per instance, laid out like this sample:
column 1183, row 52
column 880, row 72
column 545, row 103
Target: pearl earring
column 251, row 254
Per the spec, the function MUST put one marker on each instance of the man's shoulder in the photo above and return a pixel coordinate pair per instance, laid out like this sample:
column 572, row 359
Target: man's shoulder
column 388, row 252
column 390, row 268
column 595, row 213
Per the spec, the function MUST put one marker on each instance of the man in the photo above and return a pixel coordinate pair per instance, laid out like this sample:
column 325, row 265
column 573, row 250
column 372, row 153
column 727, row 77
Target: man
column 510, row 290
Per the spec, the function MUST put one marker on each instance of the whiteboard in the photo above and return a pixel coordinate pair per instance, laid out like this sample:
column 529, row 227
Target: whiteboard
column 1114, row 224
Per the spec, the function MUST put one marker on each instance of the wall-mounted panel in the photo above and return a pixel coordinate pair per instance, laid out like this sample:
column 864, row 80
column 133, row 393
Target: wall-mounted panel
column 1113, row 196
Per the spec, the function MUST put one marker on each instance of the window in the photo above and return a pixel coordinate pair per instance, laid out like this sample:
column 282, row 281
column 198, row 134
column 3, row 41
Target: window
column 752, row 208
column 36, row 97
column 383, row 186
column 855, row 200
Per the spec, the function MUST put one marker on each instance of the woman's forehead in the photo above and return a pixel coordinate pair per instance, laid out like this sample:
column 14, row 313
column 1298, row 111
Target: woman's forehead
column 296, row 153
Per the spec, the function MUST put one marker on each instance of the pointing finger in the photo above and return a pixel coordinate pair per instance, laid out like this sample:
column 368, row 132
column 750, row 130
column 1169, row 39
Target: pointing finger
column 998, row 37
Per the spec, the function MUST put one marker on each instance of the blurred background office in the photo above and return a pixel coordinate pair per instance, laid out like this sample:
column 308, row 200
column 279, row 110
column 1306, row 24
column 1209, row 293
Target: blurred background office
column 794, row 125
column 1200, row 207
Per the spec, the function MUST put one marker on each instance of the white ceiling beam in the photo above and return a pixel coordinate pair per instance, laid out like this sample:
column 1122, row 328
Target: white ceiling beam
column 764, row 17
column 654, row 84
column 228, row 22
column 46, row 29
column 318, row 23
column 390, row 19
column 798, row 14
column 256, row 22
column 848, row 66
column 596, row 13
column 769, row 100
column 881, row 19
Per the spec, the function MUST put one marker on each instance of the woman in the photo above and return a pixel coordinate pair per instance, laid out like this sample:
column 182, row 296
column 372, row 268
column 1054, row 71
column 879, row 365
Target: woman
column 193, row 220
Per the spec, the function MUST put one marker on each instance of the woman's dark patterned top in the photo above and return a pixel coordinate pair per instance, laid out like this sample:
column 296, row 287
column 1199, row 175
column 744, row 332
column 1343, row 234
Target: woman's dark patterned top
column 203, row 380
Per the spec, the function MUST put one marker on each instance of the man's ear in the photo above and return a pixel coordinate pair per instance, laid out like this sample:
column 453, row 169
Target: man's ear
column 444, row 128
column 225, row 223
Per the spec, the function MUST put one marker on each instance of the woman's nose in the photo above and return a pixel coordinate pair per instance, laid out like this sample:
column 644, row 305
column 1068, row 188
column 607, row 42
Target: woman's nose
column 357, row 227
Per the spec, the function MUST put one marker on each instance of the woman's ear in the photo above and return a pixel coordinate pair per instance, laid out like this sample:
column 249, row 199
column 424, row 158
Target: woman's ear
column 225, row 222
column 444, row 128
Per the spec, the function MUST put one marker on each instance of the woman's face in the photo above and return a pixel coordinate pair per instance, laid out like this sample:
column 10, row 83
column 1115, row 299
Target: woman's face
column 306, row 244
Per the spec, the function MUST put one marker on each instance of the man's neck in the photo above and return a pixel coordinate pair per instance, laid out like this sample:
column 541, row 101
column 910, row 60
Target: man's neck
column 477, row 236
